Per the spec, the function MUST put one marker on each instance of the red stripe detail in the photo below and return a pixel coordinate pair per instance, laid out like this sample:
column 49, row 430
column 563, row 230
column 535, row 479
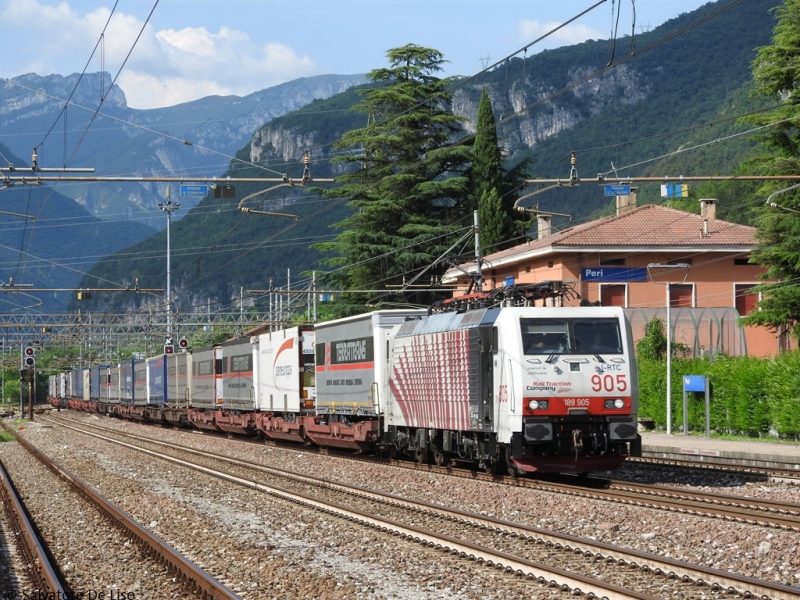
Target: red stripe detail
column 352, row 366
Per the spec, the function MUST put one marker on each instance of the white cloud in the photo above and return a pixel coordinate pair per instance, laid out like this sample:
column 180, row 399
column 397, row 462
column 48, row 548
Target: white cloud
column 185, row 62
column 571, row 34
column 166, row 67
column 147, row 91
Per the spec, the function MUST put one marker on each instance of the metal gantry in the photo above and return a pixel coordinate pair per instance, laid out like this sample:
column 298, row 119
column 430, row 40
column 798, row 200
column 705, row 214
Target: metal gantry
column 100, row 336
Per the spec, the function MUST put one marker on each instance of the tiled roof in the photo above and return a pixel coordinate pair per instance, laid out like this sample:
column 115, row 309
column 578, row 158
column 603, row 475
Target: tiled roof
column 648, row 226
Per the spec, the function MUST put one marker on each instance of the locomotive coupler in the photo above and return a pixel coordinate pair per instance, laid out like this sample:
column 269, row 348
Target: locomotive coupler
column 577, row 441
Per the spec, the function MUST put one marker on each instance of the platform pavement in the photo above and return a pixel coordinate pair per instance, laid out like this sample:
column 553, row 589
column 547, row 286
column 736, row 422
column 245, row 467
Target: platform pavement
column 749, row 451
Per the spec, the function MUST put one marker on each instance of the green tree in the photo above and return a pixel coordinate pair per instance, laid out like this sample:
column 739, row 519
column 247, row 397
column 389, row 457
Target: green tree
column 492, row 221
column 501, row 228
column 487, row 159
column 653, row 345
column 487, row 180
column 408, row 189
column 776, row 75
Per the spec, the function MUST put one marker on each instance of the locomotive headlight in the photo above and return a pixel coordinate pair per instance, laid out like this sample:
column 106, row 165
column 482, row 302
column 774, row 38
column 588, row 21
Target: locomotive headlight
column 618, row 403
column 538, row 404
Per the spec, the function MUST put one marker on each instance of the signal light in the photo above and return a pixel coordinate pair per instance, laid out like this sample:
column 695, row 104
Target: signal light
column 183, row 343
column 29, row 359
column 169, row 349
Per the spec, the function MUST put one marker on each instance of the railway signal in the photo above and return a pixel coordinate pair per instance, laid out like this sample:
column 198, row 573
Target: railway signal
column 183, row 343
column 29, row 359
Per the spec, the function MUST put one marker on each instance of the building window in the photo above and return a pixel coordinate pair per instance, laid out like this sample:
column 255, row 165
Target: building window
column 612, row 262
column 681, row 295
column 613, row 295
column 744, row 300
column 741, row 261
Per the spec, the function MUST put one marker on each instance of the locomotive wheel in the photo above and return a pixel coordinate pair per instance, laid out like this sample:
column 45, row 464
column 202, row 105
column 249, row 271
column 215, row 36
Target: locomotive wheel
column 511, row 468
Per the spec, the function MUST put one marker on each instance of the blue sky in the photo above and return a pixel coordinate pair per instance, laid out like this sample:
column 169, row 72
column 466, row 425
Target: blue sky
column 195, row 48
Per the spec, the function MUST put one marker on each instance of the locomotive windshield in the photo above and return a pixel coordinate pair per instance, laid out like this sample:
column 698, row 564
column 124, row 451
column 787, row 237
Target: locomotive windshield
column 571, row 336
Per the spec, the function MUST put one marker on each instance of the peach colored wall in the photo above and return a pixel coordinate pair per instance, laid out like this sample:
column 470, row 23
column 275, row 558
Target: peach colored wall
column 713, row 282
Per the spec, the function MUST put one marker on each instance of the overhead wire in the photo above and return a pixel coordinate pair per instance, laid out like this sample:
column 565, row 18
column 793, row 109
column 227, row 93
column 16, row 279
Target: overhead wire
column 80, row 78
column 525, row 48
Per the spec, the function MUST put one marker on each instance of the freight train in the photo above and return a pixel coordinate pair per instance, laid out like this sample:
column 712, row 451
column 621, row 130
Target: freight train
column 507, row 380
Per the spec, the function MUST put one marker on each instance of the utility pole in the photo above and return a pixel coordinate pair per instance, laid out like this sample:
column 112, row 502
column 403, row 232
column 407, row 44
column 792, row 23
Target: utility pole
column 650, row 267
column 168, row 207
column 478, row 259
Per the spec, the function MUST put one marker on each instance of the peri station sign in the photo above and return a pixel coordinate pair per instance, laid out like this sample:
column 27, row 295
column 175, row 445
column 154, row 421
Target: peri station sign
column 608, row 274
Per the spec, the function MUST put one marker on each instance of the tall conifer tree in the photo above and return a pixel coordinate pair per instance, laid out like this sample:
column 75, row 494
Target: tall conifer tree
column 776, row 74
column 405, row 179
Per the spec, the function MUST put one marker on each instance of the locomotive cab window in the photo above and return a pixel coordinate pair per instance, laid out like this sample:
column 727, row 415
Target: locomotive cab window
column 545, row 336
column 597, row 336
column 571, row 336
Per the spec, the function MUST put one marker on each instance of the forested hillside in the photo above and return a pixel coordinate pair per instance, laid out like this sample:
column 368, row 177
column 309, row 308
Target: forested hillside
column 47, row 239
column 666, row 95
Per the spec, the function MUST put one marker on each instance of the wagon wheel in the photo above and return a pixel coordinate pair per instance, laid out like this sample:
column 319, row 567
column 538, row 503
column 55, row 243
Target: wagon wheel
column 439, row 458
column 421, row 455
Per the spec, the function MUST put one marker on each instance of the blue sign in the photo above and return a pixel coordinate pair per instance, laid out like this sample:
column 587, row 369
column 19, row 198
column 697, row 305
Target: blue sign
column 194, row 190
column 694, row 383
column 606, row 274
column 508, row 281
column 618, row 190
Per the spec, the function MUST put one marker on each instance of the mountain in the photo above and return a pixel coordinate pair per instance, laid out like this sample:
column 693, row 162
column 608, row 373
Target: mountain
column 642, row 101
column 129, row 142
column 48, row 241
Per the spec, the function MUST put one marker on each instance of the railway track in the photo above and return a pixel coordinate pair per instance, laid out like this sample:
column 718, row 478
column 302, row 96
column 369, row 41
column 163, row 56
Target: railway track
column 754, row 472
column 156, row 557
column 578, row 564
column 39, row 573
column 758, row 512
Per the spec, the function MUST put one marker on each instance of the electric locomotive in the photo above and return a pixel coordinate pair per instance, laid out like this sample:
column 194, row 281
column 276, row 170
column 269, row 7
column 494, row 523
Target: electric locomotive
column 509, row 385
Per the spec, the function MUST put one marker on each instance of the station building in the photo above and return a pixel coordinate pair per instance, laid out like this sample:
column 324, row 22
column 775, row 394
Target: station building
column 646, row 259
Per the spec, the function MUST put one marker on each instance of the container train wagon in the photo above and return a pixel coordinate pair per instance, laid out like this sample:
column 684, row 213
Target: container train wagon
column 491, row 380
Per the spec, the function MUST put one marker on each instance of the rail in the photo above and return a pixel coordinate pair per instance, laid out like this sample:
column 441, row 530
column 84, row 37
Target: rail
column 47, row 582
column 204, row 583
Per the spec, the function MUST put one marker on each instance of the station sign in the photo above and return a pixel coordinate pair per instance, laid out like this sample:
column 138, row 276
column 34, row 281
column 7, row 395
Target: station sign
column 606, row 274
column 194, row 190
column 617, row 190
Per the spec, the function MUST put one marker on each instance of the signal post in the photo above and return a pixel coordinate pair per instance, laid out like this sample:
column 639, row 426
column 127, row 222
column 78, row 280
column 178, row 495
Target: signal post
column 26, row 375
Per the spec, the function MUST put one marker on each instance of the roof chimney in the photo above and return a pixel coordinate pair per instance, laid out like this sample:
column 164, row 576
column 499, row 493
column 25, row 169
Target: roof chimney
column 708, row 208
column 626, row 203
column 545, row 226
